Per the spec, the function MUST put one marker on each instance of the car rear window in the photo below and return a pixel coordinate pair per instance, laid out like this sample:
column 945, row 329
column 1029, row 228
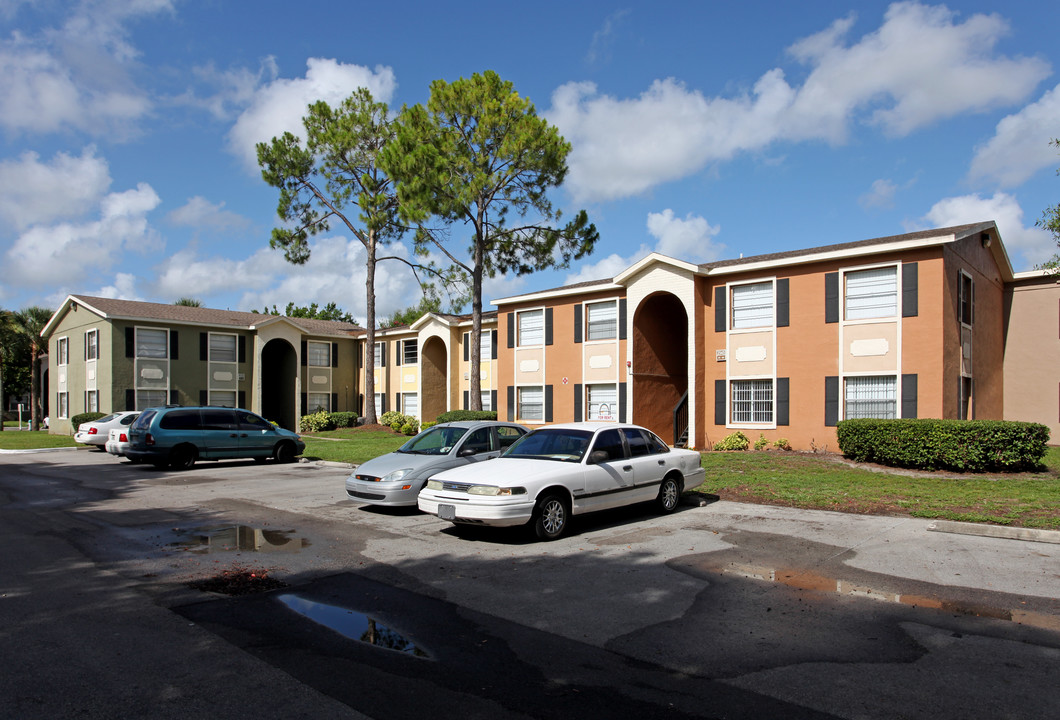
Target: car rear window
column 143, row 420
column 218, row 419
column 128, row 419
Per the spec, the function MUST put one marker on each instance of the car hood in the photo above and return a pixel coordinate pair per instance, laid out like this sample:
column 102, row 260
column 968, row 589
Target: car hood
column 510, row 471
column 384, row 464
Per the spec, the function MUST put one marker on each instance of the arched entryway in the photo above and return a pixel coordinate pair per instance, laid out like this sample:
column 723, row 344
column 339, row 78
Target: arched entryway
column 660, row 364
column 279, row 372
column 433, row 379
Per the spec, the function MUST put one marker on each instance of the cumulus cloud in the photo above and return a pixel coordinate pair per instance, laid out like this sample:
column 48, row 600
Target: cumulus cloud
column 600, row 47
column 1020, row 146
column 279, row 106
column 34, row 192
column 201, row 214
column 880, row 196
column 1027, row 245
column 64, row 253
column 920, row 66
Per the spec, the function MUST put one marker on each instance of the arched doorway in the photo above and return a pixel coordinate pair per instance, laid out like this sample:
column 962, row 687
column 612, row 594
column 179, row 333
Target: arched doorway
column 279, row 370
column 433, row 379
column 660, row 364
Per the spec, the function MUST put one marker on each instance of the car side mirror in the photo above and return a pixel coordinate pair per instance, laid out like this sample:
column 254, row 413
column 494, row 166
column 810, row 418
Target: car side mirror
column 598, row 456
column 465, row 452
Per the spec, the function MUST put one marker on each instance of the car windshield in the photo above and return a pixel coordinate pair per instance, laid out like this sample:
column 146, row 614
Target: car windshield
column 104, row 419
column 438, row 440
column 566, row 445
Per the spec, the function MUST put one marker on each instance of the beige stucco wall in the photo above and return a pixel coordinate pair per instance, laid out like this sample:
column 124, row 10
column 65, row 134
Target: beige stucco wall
column 1032, row 353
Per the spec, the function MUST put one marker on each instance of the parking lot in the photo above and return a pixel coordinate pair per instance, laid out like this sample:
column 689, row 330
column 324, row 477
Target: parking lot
column 724, row 610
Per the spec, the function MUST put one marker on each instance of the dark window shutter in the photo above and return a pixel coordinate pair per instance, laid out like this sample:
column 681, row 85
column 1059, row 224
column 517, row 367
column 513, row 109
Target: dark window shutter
column 578, row 402
column 241, row 342
column 622, row 402
column 783, row 302
column 382, row 402
column 909, row 290
column 831, row 297
column 86, row 355
column 397, row 402
column 493, row 346
column 909, row 396
column 130, row 399
column 548, row 326
column 204, row 347
column 359, row 351
column 719, row 309
column 783, row 402
column 360, row 404
column 305, row 404
column 86, row 401
column 548, row 403
column 241, row 399
column 382, row 353
column 577, row 325
column 511, row 403
column 467, row 350
column 174, row 345
column 334, row 402
column 174, row 397
column 493, row 400
column 719, row 402
column 466, row 398
column 973, row 305
column 334, row 355
column 511, row 329
column 204, row 397
column 397, row 356
column 130, row 342
column 621, row 318
column 305, row 355
column 831, row 400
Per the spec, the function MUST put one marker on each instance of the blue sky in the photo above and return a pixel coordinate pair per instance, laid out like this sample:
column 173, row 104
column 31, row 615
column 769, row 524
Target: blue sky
column 700, row 130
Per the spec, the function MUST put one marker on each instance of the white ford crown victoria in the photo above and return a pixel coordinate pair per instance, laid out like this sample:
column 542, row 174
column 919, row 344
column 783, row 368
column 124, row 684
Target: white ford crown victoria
column 562, row 470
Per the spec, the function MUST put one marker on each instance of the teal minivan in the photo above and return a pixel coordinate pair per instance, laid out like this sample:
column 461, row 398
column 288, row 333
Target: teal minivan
column 178, row 436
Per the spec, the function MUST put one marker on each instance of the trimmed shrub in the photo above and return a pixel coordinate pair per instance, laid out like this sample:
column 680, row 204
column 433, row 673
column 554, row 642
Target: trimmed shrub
column 782, row 444
column 761, row 443
column 961, row 445
column 389, row 417
column 455, row 415
column 76, row 420
column 344, row 419
column 316, row 422
column 411, row 427
column 736, row 441
column 427, row 424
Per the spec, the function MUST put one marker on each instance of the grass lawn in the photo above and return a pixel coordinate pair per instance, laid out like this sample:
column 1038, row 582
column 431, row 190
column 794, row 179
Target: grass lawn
column 352, row 445
column 14, row 439
column 820, row 482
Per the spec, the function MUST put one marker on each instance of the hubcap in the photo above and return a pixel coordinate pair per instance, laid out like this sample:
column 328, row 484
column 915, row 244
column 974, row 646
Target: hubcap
column 552, row 517
column 669, row 495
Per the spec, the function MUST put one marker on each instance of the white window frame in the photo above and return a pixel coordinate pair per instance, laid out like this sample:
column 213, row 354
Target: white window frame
column 94, row 346
column 757, row 387
column 210, row 348
column 91, row 400
column 405, row 404
column 485, row 345
column 849, row 383
column 527, row 333
column 593, row 410
column 215, row 398
column 967, row 318
column 62, row 349
column 520, row 403
column 311, row 407
column 752, row 305
column 881, row 309
column 407, row 357
column 606, row 327
column 64, row 404
column 313, row 352
column 142, row 402
column 378, row 400
column 141, row 330
column 486, row 396
column 377, row 353
column 143, row 392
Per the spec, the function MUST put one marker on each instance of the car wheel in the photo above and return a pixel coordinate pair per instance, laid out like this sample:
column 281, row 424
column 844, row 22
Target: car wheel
column 285, row 452
column 259, row 459
column 669, row 495
column 135, row 461
column 550, row 517
column 182, row 457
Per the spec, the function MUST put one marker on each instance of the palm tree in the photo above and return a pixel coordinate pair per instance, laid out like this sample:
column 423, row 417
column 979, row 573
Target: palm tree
column 30, row 322
column 7, row 339
column 188, row 302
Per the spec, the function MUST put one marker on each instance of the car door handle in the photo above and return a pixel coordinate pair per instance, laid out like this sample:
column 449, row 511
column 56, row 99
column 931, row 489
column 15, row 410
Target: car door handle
column 627, row 468
column 662, row 462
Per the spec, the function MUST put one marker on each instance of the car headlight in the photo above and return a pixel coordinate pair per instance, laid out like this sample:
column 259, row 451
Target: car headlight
column 494, row 490
column 395, row 475
column 434, row 485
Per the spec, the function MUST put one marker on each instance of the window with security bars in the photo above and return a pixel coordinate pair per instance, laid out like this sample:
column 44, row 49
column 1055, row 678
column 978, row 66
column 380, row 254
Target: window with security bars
column 871, row 293
column 318, row 354
column 152, row 343
column 601, row 320
column 871, row 397
column 602, row 401
column 410, row 404
column 222, row 348
column 150, row 398
column 752, row 401
column 532, row 403
column 752, row 305
column 531, row 328
column 316, row 402
column 410, row 352
column 223, row 398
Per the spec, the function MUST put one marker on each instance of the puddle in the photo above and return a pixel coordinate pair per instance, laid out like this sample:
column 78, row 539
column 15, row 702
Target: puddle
column 228, row 538
column 352, row 624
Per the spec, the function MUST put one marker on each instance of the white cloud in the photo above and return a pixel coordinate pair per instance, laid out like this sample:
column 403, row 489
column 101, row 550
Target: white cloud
column 880, row 196
column 1027, row 245
column 1020, row 146
column 600, row 47
column 201, row 214
column 918, row 67
column 28, row 187
column 123, row 287
column 62, row 254
column 280, row 105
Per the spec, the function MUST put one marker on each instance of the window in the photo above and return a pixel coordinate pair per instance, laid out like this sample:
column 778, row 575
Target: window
column 318, row 401
column 64, row 405
column 532, row 403
column 92, row 401
column 150, row 398
column 64, row 352
column 966, row 292
column 222, row 348
column 752, row 401
column 871, row 397
column 152, row 343
column 752, row 305
column 410, row 352
column 479, row 441
column 485, row 350
column 410, row 404
column 965, row 409
column 610, row 442
column 91, row 345
column 318, row 354
column 223, row 398
column 531, row 327
column 378, row 404
column 378, row 349
column 601, row 320
column 508, row 435
column 871, row 293
column 602, row 401
column 638, row 444
column 486, row 395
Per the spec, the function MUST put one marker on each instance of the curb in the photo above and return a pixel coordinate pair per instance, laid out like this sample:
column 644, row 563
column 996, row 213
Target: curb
column 327, row 463
column 996, row 531
column 36, row 450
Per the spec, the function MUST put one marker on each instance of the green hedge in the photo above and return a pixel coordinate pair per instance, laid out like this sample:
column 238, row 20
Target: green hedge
column 962, row 445
column 344, row 419
column 76, row 420
column 455, row 415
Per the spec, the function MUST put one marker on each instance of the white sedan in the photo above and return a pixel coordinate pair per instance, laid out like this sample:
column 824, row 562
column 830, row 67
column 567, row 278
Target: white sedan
column 562, row 470
column 97, row 432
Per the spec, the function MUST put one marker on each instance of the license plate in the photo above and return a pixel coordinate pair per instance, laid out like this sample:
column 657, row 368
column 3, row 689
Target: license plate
column 447, row 512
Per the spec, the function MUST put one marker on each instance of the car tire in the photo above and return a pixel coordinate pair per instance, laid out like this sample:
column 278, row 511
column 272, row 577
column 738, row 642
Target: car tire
column 551, row 515
column 284, row 452
column 135, row 461
column 259, row 459
column 182, row 457
column 669, row 495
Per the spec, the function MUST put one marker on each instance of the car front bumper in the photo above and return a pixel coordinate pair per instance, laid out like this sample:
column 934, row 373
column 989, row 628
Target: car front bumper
column 401, row 493
column 85, row 438
column 477, row 510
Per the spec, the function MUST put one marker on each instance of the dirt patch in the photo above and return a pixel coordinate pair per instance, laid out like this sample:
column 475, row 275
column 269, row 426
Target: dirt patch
column 239, row 580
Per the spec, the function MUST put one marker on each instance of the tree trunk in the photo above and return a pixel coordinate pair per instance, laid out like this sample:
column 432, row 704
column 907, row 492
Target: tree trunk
column 369, row 345
column 34, row 387
column 475, row 394
column 3, row 404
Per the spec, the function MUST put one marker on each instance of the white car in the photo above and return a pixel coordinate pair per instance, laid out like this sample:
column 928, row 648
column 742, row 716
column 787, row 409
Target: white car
column 558, row 471
column 117, row 441
column 98, row 431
